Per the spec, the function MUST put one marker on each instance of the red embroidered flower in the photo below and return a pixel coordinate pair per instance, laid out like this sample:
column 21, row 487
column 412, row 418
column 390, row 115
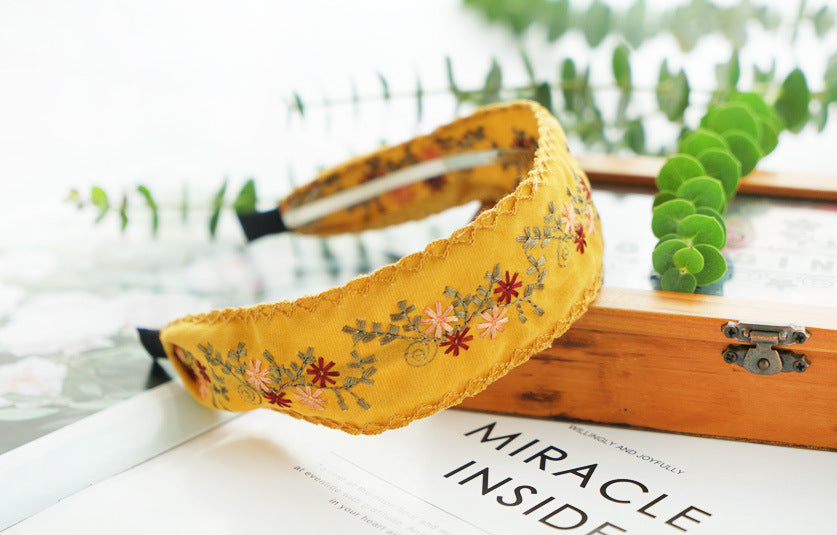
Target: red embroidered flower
column 457, row 341
column 508, row 288
column 202, row 370
column 322, row 373
column 277, row 398
column 580, row 241
column 584, row 187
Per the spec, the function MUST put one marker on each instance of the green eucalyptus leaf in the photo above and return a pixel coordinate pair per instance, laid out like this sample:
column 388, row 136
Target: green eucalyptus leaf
column 493, row 84
column 419, row 100
column 663, row 256
column 745, row 149
column 830, row 78
column 723, row 166
column 672, row 93
column 663, row 197
column 543, row 95
column 697, row 142
column 667, row 237
column 728, row 74
column 149, row 201
column 100, row 201
column 596, row 23
column 674, row 280
column 634, row 24
column 298, row 105
column 823, row 21
column 668, row 215
column 688, row 259
column 714, row 265
column 123, row 213
column 731, row 116
column 702, row 229
column 768, row 136
column 621, row 68
column 245, row 202
column 384, row 87
column 793, row 100
column 764, row 77
column 527, row 64
column 703, row 191
column 714, row 214
column 556, row 17
column 635, row 136
column 569, row 83
column 676, row 170
column 217, row 203
column 759, row 107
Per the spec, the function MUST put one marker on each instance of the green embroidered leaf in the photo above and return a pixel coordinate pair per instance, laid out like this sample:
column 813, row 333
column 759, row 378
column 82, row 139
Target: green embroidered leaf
column 793, row 100
column 663, row 256
column 245, row 202
column 721, row 165
column 669, row 214
column 350, row 382
column 676, row 170
column 363, row 404
column 674, row 280
column 688, row 259
column 450, row 292
column 672, row 93
column 702, row 229
column 701, row 140
column 714, row 265
column 745, row 148
column 100, row 201
column 703, row 191
column 538, row 310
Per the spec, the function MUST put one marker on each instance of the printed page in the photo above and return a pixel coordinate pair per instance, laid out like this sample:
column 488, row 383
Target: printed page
column 458, row 472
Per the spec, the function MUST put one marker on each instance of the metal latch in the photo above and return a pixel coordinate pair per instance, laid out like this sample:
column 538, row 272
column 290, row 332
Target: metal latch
column 762, row 358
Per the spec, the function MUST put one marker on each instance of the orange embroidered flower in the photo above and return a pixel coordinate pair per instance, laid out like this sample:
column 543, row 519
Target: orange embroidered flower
column 312, row 399
column 494, row 320
column 438, row 320
column 257, row 374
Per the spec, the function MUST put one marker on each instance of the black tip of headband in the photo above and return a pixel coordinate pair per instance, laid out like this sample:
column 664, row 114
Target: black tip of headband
column 151, row 341
column 258, row 224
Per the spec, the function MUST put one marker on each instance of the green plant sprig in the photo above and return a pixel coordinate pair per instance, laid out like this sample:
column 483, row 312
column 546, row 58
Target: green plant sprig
column 697, row 184
column 244, row 202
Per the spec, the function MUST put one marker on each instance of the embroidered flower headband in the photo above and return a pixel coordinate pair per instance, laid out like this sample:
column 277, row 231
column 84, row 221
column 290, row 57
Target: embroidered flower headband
column 439, row 325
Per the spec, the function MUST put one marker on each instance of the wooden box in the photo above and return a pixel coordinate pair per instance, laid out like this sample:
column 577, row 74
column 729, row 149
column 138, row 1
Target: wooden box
column 660, row 360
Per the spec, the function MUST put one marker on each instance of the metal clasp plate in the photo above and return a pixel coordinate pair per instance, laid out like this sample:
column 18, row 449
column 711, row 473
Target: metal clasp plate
column 761, row 357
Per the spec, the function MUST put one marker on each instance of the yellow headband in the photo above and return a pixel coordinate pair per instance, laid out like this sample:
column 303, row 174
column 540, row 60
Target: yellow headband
column 439, row 325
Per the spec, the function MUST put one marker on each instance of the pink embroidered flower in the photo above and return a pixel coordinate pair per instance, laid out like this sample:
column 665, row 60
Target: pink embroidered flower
column 508, row 288
column 275, row 398
column 591, row 220
column 580, row 241
column 494, row 320
column 322, row 373
column 457, row 341
column 203, row 388
column 312, row 399
column 257, row 374
column 568, row 221
column 181, row 359
column 438, row 320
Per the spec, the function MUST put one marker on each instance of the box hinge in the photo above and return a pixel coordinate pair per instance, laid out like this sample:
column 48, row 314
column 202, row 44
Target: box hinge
column 760, row 356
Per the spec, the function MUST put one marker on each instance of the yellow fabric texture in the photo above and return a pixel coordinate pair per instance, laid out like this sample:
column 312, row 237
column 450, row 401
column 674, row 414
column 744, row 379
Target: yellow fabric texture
column 439, row 325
